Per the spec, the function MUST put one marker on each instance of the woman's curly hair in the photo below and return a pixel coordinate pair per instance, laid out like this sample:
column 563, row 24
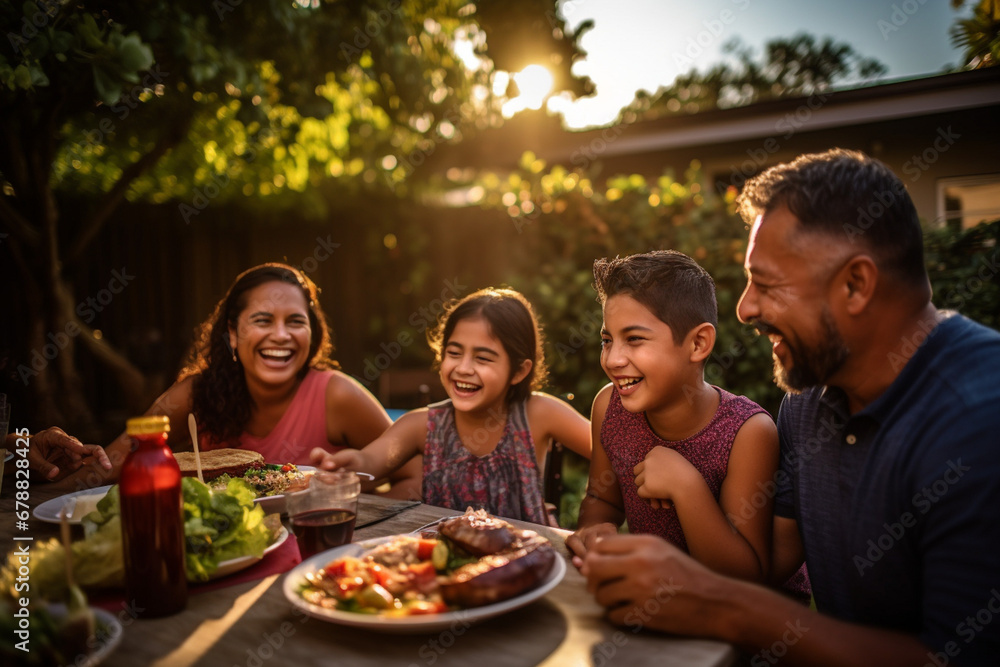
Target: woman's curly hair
column 219, row 396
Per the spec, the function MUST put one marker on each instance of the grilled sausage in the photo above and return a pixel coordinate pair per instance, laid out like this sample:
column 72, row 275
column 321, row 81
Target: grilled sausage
column 499, row 576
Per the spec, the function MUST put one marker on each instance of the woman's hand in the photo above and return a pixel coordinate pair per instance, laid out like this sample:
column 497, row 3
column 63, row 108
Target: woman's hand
column 663, row 475
column 55, row 454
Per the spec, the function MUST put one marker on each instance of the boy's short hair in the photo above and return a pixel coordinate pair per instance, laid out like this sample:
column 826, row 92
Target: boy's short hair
column 670, row 284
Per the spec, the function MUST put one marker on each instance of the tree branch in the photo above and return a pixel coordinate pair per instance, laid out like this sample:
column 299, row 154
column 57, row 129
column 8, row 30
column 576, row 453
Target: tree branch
column 15, row 166
column 116, row 195
column 17, row 223
column 129, row 378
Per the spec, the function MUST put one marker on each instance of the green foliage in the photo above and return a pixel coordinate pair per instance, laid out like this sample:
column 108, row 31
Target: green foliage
column 978, row 35
column 254, row 99
column 964, row 269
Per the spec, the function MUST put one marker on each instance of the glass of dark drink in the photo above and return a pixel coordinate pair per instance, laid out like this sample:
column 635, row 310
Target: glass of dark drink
column 323, row 515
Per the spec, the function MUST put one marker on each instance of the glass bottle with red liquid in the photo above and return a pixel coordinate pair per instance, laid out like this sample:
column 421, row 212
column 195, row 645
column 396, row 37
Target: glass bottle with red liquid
column 152, row 521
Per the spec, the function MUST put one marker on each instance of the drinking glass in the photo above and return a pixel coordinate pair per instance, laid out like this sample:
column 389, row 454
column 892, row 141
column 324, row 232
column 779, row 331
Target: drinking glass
column 323, row 515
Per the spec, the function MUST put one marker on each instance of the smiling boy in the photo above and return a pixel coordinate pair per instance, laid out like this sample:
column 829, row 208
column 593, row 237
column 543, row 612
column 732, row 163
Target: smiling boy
column 675, row 456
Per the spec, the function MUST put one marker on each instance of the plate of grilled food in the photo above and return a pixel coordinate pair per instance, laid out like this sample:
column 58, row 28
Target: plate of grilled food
column 476, row 567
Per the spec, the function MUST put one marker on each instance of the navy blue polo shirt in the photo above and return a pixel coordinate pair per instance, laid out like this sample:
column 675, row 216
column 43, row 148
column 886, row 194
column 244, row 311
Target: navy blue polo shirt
column 899, row 504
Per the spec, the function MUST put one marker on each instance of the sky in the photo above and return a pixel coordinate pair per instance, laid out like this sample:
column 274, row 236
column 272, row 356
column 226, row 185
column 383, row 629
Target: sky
column 645, row 44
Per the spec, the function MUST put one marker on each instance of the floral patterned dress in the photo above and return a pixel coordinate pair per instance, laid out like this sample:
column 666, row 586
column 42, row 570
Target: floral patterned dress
column 506, row 482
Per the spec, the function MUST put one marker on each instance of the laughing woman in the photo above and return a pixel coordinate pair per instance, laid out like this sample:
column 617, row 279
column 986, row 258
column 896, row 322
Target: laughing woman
column 260, row 377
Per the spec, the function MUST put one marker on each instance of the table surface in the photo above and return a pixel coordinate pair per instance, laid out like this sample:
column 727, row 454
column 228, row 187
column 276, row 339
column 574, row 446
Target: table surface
column 253, row 624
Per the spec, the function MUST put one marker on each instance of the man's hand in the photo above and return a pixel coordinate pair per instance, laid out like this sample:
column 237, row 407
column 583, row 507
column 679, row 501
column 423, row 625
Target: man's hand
column 645, row 582
column 583, row 540
column 55, row 454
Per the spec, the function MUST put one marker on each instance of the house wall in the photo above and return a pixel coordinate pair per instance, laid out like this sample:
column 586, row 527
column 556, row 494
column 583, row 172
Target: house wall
column 920, row 150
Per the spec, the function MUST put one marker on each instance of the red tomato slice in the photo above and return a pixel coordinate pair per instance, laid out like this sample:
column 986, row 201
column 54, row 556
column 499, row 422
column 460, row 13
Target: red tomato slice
column 382, row 576
column 425, row 548
column 336, row 568
column 423, row 570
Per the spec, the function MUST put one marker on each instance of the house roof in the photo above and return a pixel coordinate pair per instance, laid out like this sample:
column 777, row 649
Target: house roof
column 545, row 136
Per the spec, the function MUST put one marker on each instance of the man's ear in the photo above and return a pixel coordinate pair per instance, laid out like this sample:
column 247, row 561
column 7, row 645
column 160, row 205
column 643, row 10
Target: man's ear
column 700, row 341
column 521, row 372
column 857, row 282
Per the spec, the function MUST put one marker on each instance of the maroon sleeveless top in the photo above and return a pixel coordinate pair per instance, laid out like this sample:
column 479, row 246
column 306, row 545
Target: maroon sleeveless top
column 627, row 438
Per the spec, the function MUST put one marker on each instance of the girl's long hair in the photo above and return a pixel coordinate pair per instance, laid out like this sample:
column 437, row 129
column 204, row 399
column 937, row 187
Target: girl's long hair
column 219, row 396
column 512, row 320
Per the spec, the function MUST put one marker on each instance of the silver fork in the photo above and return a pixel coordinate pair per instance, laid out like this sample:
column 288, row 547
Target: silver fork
column 424, row 527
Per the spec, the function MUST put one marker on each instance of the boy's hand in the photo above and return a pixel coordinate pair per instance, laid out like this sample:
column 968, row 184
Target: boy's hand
column 583, row 540
column 662, row 476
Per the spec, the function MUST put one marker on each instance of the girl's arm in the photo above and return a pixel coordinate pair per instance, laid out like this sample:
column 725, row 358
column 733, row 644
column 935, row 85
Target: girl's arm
column 601, row 511
column 732, row 536
column 551, row 418
column 387, row 453
column 355, row 418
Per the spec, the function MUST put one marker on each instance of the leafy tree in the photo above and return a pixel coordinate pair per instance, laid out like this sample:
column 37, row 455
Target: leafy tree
column 978, row 35
column 201, row 101
column 789, row 67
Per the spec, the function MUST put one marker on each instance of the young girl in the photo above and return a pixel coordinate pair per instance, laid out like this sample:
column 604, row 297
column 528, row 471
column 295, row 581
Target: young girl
column 485, row 445
column 674, row 455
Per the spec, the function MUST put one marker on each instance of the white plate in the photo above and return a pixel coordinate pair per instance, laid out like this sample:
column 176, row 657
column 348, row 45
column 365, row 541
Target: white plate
column 404, row 624
column 106, row 639
column 108, row 636
column 228, row 567
column 9, row 456
column 86, row 501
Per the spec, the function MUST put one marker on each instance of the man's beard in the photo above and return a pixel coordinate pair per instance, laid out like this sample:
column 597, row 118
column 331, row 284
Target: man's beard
column 811, row 367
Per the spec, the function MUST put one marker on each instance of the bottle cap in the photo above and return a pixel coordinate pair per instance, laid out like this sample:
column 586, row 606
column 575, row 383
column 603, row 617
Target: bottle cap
column 148, row 425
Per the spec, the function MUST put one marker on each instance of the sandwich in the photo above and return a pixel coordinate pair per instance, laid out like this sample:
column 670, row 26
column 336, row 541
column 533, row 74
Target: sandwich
column 218, row 462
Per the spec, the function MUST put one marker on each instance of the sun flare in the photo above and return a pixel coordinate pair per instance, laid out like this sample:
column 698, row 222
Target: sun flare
column 534, row 83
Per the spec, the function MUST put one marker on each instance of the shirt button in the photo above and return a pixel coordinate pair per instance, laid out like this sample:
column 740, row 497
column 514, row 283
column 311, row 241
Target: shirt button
column 851, row 438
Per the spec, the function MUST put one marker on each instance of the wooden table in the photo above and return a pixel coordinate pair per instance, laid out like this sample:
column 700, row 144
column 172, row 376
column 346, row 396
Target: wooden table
column 252, row 624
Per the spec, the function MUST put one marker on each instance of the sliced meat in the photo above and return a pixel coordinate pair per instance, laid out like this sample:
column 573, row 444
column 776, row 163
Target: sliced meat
column 478, row 533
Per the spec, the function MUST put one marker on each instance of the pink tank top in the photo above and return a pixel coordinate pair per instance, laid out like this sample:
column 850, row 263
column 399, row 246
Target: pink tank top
column 300, row 429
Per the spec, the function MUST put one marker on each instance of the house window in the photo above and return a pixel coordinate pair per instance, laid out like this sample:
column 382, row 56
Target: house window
column 967, row 201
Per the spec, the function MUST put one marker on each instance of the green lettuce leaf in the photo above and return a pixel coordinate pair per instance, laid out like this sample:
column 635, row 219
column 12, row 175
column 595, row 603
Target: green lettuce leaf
column 219, row 526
